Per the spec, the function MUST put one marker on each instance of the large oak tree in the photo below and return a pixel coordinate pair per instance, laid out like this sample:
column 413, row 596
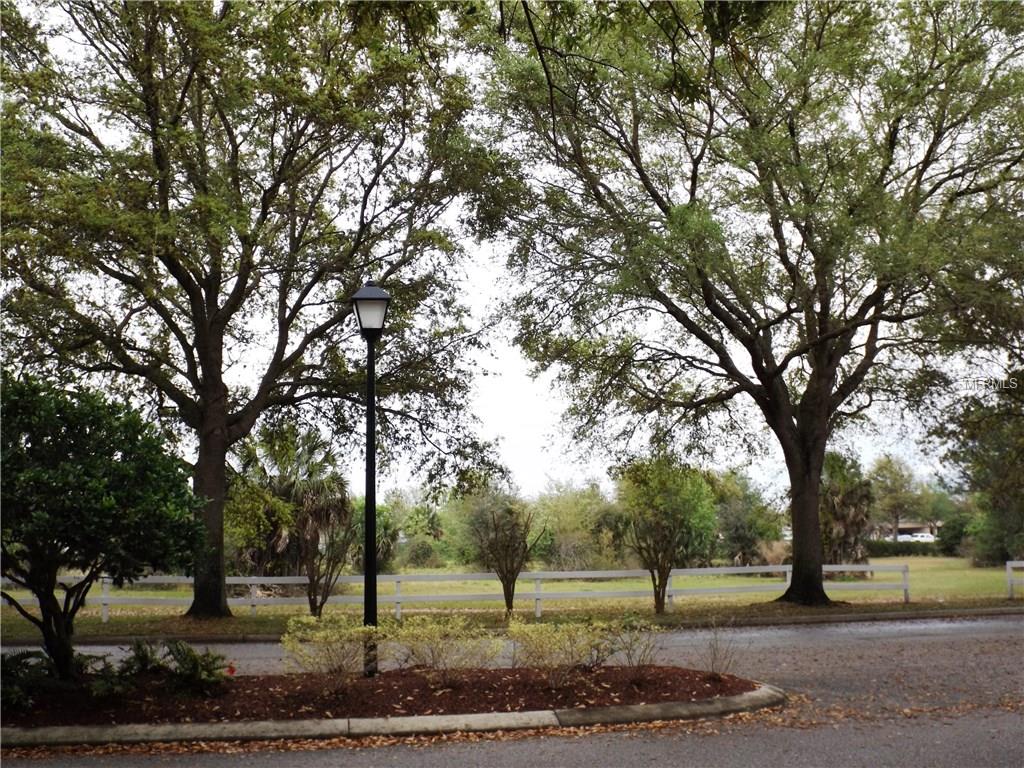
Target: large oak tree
column 192, row 191
column 755, row 215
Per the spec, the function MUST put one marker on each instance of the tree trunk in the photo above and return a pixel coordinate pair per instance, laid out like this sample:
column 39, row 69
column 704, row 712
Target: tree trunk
column 316, row 608
column 807, row 586
column 57, row 636
column 313, row 594
column 210, row 483
column 803, row 445
column 660, row 584
column 508, row 589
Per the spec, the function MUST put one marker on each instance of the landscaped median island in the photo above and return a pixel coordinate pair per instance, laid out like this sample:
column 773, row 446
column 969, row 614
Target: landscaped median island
column 437, row 667
column 394, row 693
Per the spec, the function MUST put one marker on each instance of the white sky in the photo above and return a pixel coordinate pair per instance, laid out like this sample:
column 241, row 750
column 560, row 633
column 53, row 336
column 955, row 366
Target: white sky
column 521, row 413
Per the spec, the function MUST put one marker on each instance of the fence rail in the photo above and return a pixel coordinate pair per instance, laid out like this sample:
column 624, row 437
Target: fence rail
column 538, row 595
column 1011, row 579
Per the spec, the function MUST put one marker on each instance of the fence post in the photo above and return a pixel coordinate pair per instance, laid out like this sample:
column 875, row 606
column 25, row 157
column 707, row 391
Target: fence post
column 105, row 593
column 668, row 590
column 788, row 570
column 1009, row 578
column 252, row 599
column 398, row 598
column 536, row 598
column 906, row 583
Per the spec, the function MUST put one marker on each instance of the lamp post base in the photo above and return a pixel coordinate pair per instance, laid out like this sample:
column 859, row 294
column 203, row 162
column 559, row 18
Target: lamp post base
column 370, row 658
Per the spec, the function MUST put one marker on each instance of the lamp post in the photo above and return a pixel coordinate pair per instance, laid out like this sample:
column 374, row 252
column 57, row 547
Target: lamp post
column 371, row 308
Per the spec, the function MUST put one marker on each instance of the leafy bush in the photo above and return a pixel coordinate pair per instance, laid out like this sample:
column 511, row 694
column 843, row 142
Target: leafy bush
column 745, row 519
column 845, row 506
column 188, row 670
column 560, row 650
column 331, row 645
column 288, row 509
column 886, row 548
column 143, row 657
column 953, row 532
column 106, row 680
column 573, row 519
column 987, row 542
column 440, row 646
column 419, row 553
column 387, row 530
column 195, row 672
column 23, row 673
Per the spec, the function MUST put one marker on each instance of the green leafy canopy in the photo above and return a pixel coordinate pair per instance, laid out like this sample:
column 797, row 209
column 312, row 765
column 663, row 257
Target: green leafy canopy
column 88, row 487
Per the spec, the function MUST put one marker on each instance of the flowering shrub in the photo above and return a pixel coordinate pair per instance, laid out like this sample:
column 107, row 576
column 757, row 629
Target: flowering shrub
column 440, row 646
column 332, row 645
column 560, row 650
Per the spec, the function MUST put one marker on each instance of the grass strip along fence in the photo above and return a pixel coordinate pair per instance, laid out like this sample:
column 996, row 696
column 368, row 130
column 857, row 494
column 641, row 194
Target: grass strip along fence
column 396, row 597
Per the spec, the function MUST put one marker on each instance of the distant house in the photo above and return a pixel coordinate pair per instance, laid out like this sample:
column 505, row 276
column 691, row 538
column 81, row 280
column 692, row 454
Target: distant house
column 907, row 528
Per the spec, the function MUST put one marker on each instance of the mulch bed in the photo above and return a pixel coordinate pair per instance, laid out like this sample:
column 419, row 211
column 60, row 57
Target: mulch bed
column 392, row 693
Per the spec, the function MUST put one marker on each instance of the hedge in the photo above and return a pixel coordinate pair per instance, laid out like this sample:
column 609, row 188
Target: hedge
column 886, row 548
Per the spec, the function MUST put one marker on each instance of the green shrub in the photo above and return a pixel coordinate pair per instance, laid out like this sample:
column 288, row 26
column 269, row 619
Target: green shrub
column 143, row 657
column 443, row 645
column 988, row 542
column 887, row 548
column 188, row 670
column 952, row 533
column 195, row 672
column 560, row 650
column 331, row 645
column 23, row 674
column 106, row 680
column 419, row 553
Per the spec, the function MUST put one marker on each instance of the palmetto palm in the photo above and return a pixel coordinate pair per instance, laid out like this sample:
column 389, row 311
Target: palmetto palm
column 846, row 499
column 313, row 519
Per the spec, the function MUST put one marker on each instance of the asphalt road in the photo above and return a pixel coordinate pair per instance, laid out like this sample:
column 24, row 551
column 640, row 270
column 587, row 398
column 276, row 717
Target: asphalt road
column 972, row 741
column 916, row 693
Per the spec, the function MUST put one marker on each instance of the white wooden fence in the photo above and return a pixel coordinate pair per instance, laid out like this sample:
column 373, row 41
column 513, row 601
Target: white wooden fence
column 538, row 595
column 1011, row 579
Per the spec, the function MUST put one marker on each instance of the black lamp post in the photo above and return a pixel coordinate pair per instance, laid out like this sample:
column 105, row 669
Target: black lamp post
column 371, row 308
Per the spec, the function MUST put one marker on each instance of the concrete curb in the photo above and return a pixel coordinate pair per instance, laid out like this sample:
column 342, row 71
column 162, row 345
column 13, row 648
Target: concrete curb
column 754, row 621
column 760, row 697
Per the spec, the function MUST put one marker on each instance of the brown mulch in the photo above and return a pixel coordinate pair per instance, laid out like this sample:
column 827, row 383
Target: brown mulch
column 392, row 693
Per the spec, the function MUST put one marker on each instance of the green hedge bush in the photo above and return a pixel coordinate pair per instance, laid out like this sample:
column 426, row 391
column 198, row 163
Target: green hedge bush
column 441, row 646
column 560, row 650
column 329, row 645
column 886, row 548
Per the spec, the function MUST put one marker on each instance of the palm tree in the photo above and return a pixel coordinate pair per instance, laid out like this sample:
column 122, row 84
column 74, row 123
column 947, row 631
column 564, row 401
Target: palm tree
column 846, row 499
column 304, row 503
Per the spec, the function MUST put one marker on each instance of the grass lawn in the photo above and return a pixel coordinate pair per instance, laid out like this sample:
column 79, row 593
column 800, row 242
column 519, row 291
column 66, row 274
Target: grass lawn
column 934, row 583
